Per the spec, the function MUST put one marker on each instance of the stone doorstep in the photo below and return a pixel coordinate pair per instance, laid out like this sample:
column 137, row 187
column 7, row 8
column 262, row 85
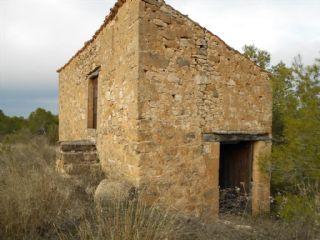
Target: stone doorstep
column 82, row 169
column 77, row 146
column 79, row 157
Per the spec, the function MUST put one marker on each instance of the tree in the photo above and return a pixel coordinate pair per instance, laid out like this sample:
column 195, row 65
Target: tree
column 296, row 121
column 10, row 125
column 39, row 122
column 260, row 57
column 281, row 83
column 297, row 160
column 44, row 123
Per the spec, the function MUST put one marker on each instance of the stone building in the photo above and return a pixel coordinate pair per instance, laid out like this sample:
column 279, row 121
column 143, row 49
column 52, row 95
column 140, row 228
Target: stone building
column 170, row 108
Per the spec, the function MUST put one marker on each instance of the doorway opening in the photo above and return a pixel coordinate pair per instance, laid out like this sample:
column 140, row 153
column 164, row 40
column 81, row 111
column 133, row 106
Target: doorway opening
column 235, row 177
column 92, row 102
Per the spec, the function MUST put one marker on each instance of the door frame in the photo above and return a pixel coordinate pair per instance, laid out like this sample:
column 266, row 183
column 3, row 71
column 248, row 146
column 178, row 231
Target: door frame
column 261, row 145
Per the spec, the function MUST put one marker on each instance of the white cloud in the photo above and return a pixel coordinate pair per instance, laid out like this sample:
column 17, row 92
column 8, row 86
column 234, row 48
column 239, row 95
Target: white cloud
column 38, row 36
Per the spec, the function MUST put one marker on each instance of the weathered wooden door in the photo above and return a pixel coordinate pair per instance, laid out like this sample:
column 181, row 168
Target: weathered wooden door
column 235, row 166
column 95, row 103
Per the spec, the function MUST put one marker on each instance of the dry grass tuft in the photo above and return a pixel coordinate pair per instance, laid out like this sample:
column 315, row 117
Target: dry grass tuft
column 132, row 220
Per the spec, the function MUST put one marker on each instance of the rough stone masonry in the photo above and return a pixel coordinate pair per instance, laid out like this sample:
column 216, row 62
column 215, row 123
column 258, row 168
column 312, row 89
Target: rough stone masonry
column 164, row 84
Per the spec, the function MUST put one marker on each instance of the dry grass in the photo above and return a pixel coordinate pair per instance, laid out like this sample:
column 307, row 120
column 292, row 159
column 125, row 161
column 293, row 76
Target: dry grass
column 34, row 200
column 38, row 203
column 131, row 220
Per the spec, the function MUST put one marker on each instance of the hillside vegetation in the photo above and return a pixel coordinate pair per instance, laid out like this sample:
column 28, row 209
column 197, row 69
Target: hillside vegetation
column 39, row 122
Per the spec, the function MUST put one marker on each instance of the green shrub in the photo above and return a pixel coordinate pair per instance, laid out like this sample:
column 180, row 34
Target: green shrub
column 295, row 208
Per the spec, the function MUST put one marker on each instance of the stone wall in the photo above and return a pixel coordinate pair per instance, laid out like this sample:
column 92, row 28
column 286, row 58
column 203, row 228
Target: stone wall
column 164, row 82
column 191, row 83
column 115, row 49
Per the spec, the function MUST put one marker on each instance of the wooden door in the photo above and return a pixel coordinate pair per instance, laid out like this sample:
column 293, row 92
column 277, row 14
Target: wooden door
column 235, row 166
column 95, row 103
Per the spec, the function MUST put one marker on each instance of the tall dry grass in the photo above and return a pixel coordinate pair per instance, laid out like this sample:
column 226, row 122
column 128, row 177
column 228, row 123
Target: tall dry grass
column 38, row 203
column 131, row 220
column 34, row 200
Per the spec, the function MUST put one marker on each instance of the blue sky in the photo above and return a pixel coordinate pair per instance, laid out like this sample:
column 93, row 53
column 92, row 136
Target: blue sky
column 38, row 36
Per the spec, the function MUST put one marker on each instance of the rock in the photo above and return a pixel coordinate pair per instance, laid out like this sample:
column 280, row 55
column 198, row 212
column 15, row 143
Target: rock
column 201, row 79
column 173, row 78
column 183, row 62
column 178, row 98
column 169, row 35
column 231, row 83
column 215, row 93
column 202, row 51
column 202, row 42
column 156, row 60
column 160, row 23
column 243, row 227
column 184, row 42
column 113, row 191
column 154, row 2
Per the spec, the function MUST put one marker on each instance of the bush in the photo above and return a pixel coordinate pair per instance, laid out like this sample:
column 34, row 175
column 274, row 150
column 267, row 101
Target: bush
column 301, row 209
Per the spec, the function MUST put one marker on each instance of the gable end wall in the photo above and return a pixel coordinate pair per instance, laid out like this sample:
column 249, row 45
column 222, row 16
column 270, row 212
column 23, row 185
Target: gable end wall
column 191, row 83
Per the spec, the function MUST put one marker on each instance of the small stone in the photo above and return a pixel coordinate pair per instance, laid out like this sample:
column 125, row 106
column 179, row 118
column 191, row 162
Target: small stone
column 184, row 32
column 171, row 44
column 154, row 2
column 173, row 78
column 215, row 93
column 160, row 23
column 166, row 9
column 108, row 191
column 201, row 79
column 183, row 62
column 202, row 51
column 184, row 42
column 202, row 42
column 231, row 83
column 169, row 35
column 178, row 98
column 190, row 137
column 156, row 60
column 200, row 57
